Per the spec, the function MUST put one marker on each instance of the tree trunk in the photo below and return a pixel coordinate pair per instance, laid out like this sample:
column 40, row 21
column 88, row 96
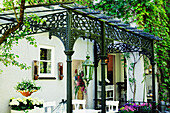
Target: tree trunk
column 134, row 92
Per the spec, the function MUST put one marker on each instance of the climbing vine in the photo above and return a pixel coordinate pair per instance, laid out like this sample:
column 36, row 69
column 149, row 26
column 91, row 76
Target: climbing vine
column 134, row 59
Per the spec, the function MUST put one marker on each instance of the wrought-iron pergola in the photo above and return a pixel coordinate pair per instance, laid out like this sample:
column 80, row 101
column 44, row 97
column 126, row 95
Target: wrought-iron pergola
column 71, row 21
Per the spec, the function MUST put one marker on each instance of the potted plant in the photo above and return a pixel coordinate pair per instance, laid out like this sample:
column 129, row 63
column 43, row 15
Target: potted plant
column 26, row 105
column 136, row 108
column 129, row 108
column 80, row 84
column 145, row 108
column 26, row 87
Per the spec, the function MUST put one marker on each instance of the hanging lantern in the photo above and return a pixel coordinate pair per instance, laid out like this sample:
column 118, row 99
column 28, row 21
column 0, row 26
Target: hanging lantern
column 88, row 69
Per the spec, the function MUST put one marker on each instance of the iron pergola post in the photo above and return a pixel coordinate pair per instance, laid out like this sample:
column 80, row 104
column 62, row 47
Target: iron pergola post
column 95, row 74
column 103, row 57
column 69, row 52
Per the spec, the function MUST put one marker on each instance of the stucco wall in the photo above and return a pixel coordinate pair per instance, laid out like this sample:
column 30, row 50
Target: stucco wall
column 50, row 89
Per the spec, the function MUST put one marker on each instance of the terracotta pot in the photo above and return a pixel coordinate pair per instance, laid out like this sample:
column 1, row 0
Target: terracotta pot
column 80, row 96
column 26, row 94
column 22, row 111
column 35, row 110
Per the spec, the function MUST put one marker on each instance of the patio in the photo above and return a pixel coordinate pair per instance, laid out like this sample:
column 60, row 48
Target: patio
column 71, row 21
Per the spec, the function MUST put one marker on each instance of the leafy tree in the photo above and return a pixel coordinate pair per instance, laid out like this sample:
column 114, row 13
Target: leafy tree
column 152, row 16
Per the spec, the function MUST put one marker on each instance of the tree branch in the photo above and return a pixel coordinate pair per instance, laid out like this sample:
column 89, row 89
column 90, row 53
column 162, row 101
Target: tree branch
column 14, row 28
column 14, row 11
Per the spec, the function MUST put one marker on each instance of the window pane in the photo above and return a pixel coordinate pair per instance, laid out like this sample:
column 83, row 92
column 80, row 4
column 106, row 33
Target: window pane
column 45, row 54
column 45, row 67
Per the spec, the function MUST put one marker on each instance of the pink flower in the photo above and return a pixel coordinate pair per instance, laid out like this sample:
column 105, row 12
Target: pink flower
column 82, row 88
column 142, row 104
column 78, row 83
column 82, row 74
column 146, row 104
column 150, row 105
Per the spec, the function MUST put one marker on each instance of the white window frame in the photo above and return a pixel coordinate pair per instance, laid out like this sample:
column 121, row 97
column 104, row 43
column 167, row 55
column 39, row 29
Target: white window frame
column 52, row 61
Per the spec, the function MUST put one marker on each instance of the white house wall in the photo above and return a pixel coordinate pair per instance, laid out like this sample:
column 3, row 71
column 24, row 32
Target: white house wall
column 51, row 90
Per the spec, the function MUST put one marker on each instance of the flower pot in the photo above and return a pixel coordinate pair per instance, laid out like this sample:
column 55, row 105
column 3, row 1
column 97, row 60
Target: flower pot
column 15, row 111
column 26, row 93
column 22, row 111
column 35, row 110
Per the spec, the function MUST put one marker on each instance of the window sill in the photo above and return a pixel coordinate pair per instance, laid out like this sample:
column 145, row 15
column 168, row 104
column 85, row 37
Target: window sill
column 46, row 78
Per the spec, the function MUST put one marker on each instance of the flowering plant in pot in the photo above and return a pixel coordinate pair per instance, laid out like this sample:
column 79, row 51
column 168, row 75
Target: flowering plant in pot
column 145, row 107
column 23, row 104
column 135, row 108
column 27, row 87
column 129, row 108
column 79, row 82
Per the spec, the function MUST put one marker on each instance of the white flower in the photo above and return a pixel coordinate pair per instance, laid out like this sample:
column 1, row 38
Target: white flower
column 19, row 99
column 25, row 102
column 29, row 98
column 14, row 102
column 41, row 101
column 33, row 102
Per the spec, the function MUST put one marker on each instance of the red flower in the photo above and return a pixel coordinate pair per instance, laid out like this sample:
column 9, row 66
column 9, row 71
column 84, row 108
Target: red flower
column 76, row 71
column 78, row 77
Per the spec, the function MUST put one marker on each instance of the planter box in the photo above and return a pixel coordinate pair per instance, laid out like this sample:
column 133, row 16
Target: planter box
column 35, row 110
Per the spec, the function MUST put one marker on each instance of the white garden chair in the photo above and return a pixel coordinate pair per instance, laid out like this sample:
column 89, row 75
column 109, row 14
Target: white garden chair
column 77, row 104
column 110, row 105
column 49, row 106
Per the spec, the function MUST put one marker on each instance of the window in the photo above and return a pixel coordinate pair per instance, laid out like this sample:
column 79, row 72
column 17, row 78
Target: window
column 46, row 59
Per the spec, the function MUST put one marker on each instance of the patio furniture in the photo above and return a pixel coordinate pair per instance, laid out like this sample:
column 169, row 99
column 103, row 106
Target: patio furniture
column 49, row 106
column 86, row 111
column 77, row 103
column 110, row 105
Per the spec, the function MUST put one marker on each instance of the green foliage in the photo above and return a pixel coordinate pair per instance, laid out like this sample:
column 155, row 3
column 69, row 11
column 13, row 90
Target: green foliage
column 27, row 85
